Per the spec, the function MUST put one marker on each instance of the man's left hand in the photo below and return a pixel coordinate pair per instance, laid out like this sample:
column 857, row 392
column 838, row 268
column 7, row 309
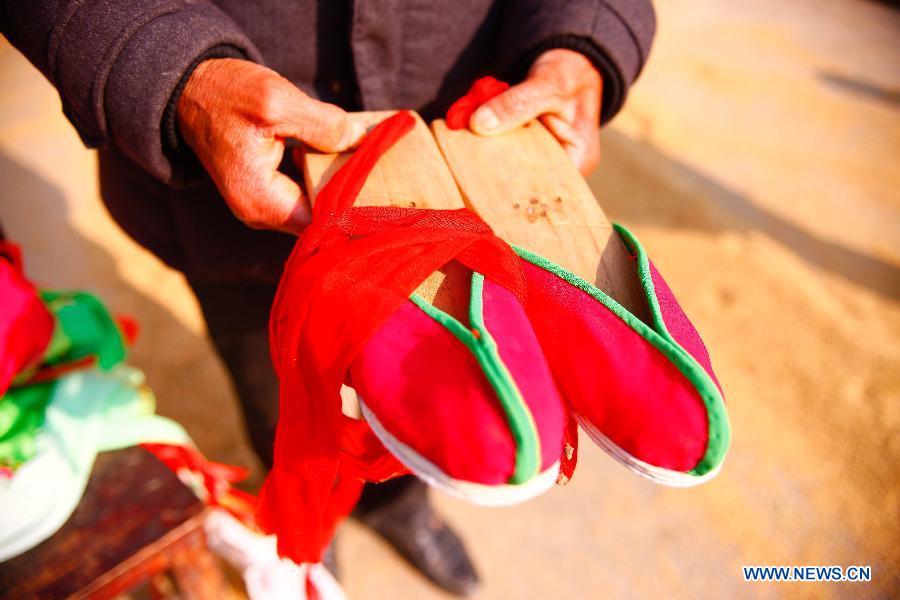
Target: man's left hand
column 563, row 90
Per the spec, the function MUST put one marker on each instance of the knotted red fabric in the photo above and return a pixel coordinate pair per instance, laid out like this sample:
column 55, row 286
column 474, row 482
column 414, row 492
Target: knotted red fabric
column 351, row 269
column 216, row 478
column 484, row 89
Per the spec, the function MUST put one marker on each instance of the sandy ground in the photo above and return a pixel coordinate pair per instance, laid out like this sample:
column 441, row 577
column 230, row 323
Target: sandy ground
column 758, row 161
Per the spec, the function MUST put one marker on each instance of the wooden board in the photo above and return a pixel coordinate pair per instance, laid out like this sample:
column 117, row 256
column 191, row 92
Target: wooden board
column 529, row 191
column 522, row 183
column 411, row 174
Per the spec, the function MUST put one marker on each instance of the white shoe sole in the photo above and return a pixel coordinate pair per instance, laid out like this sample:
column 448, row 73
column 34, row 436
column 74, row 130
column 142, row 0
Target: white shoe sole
column 476, row 493
column 653, row 473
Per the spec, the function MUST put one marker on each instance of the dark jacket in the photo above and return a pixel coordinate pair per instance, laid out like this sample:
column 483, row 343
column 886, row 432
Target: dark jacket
column 117, row 65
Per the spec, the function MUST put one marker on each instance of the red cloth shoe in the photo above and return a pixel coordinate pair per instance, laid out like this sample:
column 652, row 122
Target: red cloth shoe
column 472, row 410
column 645, row 393
column 343, row 314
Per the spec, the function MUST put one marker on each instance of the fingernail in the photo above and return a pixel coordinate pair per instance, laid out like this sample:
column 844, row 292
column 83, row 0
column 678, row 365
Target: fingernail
column 353, row 134
column 485, row 120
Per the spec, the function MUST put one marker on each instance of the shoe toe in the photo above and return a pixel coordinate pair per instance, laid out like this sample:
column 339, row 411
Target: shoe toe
column 452, row 404
column 620, row 385
column 427, row 391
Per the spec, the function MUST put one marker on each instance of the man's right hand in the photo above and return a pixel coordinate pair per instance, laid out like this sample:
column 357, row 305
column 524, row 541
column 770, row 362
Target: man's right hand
column 235, row 115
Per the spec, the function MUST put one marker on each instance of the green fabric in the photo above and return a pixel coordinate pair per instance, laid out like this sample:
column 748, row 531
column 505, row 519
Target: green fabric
column 84, row 328
column 93, row 411
column 483, row 347
column 22, row 412
column 719, row 435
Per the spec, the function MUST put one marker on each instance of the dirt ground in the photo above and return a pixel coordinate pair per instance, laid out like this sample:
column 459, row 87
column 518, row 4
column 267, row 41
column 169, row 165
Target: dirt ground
column 757, row 159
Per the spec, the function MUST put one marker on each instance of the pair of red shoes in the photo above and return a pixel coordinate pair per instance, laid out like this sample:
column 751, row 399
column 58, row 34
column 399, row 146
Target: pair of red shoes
column 481, row 409
column 484, row 405
column 487, row 409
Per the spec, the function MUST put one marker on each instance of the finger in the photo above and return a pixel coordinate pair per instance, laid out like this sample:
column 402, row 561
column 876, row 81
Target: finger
column 262, row 197
column 590, row 155
column 281, row 206
column 585, row 154
column 581, row 142
column 297, row 157
column 323, row 126
column 289, row 205
column 516, row 106
column 561, row 129
column 275, row 202
column 587, row 121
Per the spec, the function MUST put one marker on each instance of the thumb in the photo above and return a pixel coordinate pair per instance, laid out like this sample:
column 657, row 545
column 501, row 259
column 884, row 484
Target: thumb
column 514, row 107
column 323, row 126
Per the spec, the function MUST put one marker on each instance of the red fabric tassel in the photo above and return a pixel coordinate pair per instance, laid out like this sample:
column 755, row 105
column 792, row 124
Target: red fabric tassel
column 352, row 268
column 217, row 478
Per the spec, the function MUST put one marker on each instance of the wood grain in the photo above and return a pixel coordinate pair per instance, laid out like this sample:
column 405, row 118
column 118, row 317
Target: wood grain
column 526, row 188
column 411, row 174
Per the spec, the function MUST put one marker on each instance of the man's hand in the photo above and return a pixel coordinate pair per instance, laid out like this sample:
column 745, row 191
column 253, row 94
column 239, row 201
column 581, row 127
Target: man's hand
column 564, row 90
column 235, row 115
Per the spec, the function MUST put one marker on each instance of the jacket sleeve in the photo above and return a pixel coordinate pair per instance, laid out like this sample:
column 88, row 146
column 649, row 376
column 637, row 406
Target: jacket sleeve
column 116, row 63
column 614, row 34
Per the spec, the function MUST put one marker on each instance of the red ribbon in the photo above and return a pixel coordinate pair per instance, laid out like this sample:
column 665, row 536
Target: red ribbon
column 484, row 89
column 350, row 271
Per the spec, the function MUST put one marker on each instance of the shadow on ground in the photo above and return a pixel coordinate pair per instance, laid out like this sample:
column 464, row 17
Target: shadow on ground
column 891, row 97
column 642, row 192
column 190, row 384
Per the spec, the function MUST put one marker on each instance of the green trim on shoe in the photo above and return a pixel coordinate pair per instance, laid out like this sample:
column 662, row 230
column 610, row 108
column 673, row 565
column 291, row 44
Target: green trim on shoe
column 484, row 348
column 719, row 434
